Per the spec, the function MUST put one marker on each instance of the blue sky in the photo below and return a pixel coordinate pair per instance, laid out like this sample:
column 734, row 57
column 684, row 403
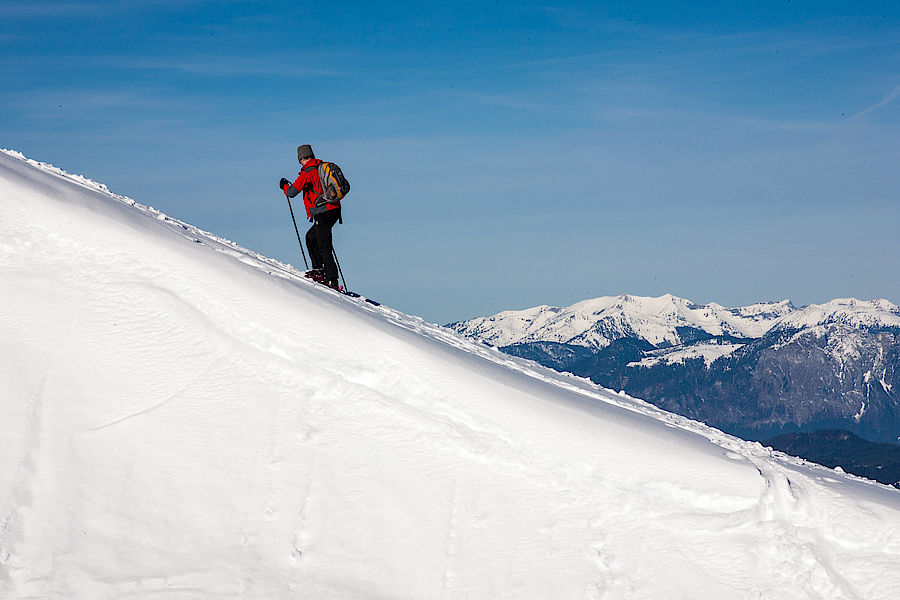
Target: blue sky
column 501, row 154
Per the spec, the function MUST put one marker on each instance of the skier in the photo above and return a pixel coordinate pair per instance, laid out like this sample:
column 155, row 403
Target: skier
column 323, row 216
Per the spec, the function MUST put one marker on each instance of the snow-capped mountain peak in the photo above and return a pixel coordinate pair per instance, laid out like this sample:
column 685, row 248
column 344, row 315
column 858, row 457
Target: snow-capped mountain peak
column 844, row 311
column 597, row 322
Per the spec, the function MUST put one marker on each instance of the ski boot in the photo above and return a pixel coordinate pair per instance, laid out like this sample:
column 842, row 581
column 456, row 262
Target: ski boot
column 317, row 275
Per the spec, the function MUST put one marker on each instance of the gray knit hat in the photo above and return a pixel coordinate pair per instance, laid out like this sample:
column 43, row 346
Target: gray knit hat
column 305, row 151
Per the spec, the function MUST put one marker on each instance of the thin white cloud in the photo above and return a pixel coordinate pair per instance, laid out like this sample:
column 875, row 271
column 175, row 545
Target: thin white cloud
column 228, row 66
column 77, row 103
column 29, row 9
column 890, row 97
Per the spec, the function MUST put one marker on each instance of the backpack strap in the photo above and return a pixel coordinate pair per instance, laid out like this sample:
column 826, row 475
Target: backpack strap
column 309, row 183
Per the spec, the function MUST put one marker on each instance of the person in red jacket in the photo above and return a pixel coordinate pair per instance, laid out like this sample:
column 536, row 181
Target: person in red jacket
column 323, row 215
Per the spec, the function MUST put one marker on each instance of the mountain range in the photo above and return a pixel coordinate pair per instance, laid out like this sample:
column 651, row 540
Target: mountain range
column 755, row 371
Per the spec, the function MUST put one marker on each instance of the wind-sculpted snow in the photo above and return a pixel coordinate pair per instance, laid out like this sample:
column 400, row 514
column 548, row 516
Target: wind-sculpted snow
column 183, row 418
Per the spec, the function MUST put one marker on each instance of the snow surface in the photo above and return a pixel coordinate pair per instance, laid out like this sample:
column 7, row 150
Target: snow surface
column 598, row 322
column 183, row 418
column 708, row 351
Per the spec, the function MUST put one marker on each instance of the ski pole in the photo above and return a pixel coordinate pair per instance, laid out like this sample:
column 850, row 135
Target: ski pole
column 306, row 264
column 338, row 263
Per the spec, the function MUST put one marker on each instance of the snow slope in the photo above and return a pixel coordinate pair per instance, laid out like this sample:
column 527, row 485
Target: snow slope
column 183, row 418
column 598, row 322
column 709, row 352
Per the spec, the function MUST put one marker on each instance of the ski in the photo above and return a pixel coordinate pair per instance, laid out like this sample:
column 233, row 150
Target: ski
column 355, row 295
column 319, row 277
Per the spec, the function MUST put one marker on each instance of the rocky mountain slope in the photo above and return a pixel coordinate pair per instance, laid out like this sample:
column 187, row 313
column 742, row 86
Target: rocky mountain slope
column 754, row 371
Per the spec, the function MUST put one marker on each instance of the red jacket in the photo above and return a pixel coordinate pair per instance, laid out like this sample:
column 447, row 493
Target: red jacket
column 308, row 183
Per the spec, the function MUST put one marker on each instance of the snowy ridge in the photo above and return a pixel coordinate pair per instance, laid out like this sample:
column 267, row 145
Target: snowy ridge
column 79, row 179
column 191, row 232
column 844, row 311
column 185, row 418
column 598, row 322
column 846, row 316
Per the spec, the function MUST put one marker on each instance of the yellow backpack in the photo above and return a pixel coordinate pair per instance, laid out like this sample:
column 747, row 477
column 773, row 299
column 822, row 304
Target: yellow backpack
column 334, row 185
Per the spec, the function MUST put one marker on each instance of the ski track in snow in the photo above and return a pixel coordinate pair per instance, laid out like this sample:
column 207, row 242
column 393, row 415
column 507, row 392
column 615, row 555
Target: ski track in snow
column 476, row 474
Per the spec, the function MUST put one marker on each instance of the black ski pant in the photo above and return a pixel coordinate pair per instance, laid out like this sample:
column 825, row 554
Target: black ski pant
column 318, row 240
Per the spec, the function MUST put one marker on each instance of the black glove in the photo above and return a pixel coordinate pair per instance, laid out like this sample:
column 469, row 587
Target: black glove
column 283, row 183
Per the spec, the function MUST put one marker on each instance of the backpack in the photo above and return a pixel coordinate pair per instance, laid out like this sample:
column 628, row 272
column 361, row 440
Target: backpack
column 334, row 185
